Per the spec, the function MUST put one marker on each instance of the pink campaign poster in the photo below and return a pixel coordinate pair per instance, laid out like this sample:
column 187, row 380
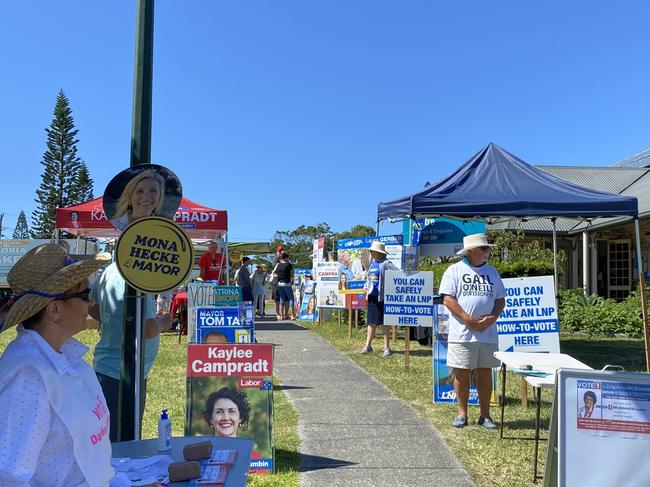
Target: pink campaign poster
column 230, row 394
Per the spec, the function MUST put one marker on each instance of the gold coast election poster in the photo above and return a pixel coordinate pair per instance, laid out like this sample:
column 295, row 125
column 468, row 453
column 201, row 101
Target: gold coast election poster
column 230, row 394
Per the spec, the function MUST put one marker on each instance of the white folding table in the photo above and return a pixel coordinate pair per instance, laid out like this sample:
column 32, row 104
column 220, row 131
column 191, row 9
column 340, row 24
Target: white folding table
column 548, row 363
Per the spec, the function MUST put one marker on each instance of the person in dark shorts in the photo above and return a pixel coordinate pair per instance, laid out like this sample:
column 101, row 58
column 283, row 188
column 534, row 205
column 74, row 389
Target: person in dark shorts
column 375, row 291
column 274, row 285
column 284, row 271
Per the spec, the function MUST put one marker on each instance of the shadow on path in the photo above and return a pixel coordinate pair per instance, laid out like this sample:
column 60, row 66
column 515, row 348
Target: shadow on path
column 279, row 326
column 284, row 387
column 338, row 405
column 313, row 462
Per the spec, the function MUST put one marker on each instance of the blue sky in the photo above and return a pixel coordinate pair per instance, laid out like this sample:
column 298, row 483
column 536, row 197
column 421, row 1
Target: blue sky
column 299, row 112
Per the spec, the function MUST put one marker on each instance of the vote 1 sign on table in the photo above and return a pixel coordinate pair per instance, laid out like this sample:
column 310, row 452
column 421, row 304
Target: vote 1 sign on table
column 154, row 255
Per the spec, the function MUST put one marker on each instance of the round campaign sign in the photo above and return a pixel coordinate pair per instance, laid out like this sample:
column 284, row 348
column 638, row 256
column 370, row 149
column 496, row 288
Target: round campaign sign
column 141, row 191
column 154, row 255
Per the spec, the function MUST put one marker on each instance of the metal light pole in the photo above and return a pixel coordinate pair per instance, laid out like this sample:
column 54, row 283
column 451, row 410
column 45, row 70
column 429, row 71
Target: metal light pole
column 132, row 371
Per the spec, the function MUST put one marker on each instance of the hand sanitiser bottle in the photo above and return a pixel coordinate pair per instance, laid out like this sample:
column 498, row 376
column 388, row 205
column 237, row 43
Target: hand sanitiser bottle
column 164, row 432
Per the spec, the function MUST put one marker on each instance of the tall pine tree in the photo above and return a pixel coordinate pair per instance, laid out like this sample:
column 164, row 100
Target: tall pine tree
column 61, row 169
column 83, row 186
column 21, row 231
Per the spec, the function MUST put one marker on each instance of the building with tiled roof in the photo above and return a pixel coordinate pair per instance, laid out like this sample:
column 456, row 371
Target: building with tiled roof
column 642, row 159
column 611, row 262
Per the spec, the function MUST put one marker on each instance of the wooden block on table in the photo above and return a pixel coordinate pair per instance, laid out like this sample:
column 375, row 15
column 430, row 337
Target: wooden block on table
column 197, row 451
column 179, row 471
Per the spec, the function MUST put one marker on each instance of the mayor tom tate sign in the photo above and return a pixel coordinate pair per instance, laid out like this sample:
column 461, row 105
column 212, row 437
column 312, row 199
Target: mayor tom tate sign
column 154, row 255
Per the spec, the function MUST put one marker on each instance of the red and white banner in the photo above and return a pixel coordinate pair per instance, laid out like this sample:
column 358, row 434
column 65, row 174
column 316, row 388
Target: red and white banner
column 318, row 251
column 89, row 219
column 241, row 360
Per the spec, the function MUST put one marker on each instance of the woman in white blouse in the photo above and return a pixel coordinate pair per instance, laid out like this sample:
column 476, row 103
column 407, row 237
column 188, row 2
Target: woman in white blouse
column 54, row 430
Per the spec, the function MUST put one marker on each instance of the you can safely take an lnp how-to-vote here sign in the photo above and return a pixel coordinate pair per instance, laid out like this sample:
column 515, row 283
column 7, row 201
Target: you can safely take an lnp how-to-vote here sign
column 408, row 298
column 529, row 322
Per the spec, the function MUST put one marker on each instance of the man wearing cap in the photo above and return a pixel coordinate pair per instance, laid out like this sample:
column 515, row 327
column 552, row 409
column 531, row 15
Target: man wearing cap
column 211, row 264
column 375, row 291
column 475, row 296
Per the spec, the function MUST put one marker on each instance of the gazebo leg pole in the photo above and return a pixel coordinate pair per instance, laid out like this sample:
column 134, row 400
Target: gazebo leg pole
column 227, row 261
column 644, row 298
column 585, row 261
column 555, row 258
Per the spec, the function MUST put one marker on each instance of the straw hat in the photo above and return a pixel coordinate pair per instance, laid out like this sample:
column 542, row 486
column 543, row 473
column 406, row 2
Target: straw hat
column 378, row 246
column 42, row 275
column 473, row 241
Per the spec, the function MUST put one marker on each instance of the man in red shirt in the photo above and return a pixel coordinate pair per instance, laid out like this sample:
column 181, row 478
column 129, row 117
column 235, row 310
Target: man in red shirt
column 212, row 264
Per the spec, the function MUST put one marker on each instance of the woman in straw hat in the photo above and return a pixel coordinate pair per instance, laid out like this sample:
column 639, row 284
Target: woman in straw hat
column 375, row 292
column 55, row 432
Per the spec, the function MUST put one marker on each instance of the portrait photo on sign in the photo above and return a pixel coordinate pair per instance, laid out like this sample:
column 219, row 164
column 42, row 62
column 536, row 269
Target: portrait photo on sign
column 142, row 191
column 219, row 406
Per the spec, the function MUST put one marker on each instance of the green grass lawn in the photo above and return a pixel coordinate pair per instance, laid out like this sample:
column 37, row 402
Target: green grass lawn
column 166, row 389
column 489, row 460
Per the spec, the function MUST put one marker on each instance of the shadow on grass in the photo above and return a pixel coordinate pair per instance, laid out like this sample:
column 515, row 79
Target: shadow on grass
column 414, row 353
column 312, row 462
column 532, row 405
column 523, row 424
column 279, row 326
column 286, row 460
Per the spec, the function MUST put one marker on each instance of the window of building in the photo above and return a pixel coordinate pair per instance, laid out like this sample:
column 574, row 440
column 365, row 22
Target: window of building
column 619, row 269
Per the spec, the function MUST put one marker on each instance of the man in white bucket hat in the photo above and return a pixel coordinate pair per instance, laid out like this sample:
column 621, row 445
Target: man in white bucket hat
column 375, row 293
column 475, row 296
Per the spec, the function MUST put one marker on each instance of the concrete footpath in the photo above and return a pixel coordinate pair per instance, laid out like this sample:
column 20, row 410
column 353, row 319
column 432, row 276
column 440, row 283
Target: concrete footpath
column 353, row 431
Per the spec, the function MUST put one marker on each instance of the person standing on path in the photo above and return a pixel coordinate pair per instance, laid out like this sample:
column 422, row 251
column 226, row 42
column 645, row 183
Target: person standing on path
column 375, row 291
column 259, row 290
column 243, row 279
column 284, row 271
column 275, row 295
column 473, row 292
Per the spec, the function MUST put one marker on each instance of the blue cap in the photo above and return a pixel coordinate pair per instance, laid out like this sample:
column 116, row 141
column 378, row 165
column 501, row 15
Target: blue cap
column 164, row 414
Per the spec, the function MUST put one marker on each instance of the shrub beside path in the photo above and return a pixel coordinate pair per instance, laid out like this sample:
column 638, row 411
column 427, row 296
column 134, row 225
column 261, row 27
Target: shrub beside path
column 353, row 431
